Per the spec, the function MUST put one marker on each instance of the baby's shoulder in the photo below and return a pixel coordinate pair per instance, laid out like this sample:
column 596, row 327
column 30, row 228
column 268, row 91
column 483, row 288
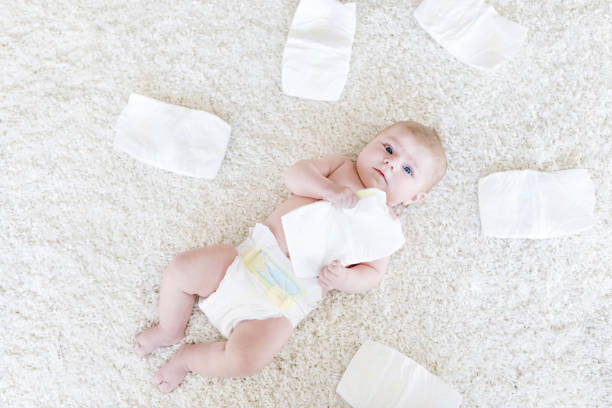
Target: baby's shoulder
column 338, row 158
column 336, row 163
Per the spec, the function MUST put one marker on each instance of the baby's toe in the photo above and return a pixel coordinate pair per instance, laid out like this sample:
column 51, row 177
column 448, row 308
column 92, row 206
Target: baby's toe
column 157, row 379
column 163, row 384
column 139, row 349
column 169, row 377
column 166, row 387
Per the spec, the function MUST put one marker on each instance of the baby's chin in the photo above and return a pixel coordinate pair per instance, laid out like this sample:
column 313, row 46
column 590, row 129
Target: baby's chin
column 368, row 179
column 374, row 185
column 365, row 179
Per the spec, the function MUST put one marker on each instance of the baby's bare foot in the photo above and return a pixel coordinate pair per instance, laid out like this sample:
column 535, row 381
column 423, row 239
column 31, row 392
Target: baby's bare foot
column 153, row 338
column 170, row 375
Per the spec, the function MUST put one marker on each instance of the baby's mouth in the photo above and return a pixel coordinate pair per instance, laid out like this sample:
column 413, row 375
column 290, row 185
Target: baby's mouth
column 382, row 174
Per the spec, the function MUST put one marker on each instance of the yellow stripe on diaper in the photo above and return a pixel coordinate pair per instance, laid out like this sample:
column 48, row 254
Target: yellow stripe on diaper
column 363, row 193
column 282, row 288
column 280, row 298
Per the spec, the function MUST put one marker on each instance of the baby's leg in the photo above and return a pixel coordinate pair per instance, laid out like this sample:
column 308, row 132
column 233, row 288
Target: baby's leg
column 196, row 272
column 250, row 347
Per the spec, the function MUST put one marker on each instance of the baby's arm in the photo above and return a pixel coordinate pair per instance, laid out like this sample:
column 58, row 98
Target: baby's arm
column 354, row 279
column 309, row 178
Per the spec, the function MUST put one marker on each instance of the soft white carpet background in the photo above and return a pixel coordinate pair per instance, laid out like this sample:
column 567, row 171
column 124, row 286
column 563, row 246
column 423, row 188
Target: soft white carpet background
column 86, row 232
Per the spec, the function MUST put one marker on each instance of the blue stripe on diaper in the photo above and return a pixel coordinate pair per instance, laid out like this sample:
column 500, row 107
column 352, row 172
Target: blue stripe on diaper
column 281, row 278
column 283, row 290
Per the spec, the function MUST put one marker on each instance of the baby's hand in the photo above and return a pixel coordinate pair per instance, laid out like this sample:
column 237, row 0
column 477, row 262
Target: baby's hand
column 332, row 276
column 341, row 196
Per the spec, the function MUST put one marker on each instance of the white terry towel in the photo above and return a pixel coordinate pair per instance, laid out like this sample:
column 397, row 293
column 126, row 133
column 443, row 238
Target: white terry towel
column 533, row 204
column 318, row 50
column 471, row 30
column 186, row 141
column 318, row 233
column 381, row 377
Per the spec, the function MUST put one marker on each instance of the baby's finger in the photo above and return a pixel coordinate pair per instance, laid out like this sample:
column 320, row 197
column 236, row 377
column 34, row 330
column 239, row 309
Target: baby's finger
column 327, row 275
column 322, row 282
column 324, row 270
column 331, row 272
column 338, row 202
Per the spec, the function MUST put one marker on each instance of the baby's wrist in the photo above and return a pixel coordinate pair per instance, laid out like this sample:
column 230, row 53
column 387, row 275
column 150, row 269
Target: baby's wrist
column 327, row 190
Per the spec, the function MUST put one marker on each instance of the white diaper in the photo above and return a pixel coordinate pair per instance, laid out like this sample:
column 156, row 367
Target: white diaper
column 186, row 141
column 258, row 285
column 381, row 377
column 534, row 204
column 318, row 233
column 318, row 50
column 471, row 30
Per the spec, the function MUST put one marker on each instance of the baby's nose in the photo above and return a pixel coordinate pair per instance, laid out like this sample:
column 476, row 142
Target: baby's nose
column 389, row 163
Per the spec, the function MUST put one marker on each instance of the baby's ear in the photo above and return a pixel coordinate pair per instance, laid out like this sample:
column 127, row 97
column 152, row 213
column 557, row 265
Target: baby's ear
column 417, row 197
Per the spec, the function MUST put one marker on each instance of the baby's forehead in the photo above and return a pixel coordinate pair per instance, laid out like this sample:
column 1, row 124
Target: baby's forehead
column 406, row 139
column 419, row 135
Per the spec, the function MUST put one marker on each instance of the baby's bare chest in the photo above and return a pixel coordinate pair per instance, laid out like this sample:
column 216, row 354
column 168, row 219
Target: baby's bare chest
column 347, row 175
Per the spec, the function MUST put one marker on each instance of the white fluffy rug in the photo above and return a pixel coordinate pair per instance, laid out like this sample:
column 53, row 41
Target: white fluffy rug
column 86, row 232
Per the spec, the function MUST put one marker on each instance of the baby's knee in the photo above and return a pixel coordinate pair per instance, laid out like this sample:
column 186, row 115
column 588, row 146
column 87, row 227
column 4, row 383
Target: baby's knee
column 202, row 258
column 249, row 363
column 179, row 272
column 178, row 264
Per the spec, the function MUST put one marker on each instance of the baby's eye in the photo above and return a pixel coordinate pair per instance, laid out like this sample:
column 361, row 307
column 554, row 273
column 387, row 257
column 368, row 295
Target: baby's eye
column 389, row 149
column 408, row 170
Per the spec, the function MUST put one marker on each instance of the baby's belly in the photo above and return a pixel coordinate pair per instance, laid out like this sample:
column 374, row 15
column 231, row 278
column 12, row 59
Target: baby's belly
column 274, row 220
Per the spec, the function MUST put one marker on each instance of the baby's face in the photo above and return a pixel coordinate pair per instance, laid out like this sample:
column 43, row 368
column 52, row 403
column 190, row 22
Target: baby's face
column 396, row 162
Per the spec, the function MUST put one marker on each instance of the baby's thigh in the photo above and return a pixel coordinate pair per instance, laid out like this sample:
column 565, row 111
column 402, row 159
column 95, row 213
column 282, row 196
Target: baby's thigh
column 199, row 271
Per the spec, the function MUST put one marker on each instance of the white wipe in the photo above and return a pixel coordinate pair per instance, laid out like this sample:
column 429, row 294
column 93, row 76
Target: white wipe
column 319, row 233
column 318, row 50
column 533, row 204
column 381, row 377
column 186, row 141
column 471, row 30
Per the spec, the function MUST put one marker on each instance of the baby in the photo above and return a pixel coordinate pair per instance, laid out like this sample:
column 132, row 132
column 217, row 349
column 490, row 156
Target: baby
column 405, row 161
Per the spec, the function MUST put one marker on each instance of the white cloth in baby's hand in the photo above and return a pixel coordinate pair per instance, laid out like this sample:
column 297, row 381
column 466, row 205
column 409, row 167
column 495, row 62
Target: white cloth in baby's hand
column 471, row 30
column 533, row 204
column 186, row 141
column 318, row 50
column 381, row 377
column 319, row 233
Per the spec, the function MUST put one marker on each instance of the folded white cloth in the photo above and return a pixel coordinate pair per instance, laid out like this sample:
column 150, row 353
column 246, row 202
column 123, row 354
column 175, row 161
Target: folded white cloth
column 318, row 233
column 533, row 204
column 471, row 31
column 381, row 377
column 318, row 50
column 185, row 141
